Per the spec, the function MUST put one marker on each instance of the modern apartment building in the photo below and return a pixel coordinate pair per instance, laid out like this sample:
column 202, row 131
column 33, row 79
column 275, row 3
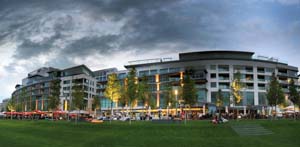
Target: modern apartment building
column 34, row 91
column 212, row 70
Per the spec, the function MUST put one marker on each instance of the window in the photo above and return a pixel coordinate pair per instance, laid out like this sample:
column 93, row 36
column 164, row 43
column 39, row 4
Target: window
column 213, row 76
column 261, row 86
column 172, row 70
column 249, row 86
column 144, row 73
column 261, row 78
column 213, row 67
column 260, row 69
column 213, row 97
column 249, row 97
column 66, row 88
column 249, row 69
column 163, row 71
column 67, row 82
column 213, row 85
column 262, row 98
column 270, row 70
column 223, row 76
column 223, row 68
column 164, row 78
column 153, row 72
column 224, row 86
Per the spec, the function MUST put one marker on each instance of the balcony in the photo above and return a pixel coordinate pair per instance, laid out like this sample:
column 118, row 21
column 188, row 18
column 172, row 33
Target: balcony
column 282, row 74
column 283, row 82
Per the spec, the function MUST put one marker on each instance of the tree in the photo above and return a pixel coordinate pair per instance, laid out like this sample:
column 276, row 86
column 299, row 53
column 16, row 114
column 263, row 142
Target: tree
column 144, row 94
column 124, row 97
column 144, row 91
column 78, row 96
column 113, row 90
column 53, row 99
column 294, row 95
column 23, row 98
column 96, row 104
column 219, row 101
column 131, row 90
column 236, row 89
column 11, row 106
column 189, row 91
column 275, row 94
column 170, row 95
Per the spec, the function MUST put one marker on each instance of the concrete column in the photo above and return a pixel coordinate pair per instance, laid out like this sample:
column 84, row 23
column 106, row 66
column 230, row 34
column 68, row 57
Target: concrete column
column 255, row 84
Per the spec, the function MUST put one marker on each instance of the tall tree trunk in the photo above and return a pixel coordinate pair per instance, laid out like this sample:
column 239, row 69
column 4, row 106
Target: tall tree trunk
column 111, row 111
column 130, row 115
column 219, row 113
column 276, row 110
column 294, row 112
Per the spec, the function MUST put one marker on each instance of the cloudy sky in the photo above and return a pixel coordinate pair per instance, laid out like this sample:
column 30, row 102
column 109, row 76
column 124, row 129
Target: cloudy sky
column 109, row 33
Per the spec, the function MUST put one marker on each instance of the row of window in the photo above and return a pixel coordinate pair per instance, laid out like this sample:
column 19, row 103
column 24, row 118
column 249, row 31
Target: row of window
column 247, row 77
column 86, row 81
column 225, row 68
column 248, row 98
column 160, row 71
column 226, row 85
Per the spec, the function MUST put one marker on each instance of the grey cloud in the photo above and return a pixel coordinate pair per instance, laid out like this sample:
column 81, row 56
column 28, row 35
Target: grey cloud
column 173, row 24
column 92, row 44
column 28, row 48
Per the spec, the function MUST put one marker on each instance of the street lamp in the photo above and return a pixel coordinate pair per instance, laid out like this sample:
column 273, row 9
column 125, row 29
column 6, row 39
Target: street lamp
column 176, row 94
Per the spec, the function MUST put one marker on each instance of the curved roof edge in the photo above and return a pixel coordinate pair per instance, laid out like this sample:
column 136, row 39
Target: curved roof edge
column 216, row 54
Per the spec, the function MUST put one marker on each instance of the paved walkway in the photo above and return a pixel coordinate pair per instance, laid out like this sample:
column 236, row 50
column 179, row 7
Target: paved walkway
column 250, row 130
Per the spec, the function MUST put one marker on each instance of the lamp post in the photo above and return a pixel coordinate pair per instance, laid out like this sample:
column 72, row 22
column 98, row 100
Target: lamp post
column 176, row 94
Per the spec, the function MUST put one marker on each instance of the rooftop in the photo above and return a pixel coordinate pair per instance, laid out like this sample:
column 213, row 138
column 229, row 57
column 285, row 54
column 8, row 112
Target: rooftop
column 208, row 55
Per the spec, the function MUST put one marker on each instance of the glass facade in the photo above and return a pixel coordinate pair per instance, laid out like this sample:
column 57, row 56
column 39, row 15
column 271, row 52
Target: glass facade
column 248, row 98
column 262, row 98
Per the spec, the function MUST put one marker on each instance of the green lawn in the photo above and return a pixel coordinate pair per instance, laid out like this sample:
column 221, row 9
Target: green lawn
column 121, row 134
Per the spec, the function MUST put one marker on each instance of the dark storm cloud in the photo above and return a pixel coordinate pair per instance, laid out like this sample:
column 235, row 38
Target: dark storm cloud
column 153, row 24
column 91, row 44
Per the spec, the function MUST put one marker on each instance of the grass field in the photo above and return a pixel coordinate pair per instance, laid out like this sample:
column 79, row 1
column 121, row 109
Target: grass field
column 285, row 133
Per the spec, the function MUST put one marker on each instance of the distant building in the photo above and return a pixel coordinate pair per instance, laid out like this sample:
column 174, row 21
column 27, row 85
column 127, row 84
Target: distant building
column 4, row 104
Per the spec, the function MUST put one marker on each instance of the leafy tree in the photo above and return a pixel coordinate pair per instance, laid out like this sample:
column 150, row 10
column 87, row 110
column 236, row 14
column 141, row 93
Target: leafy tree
column 22, row 98
column 32, row 103
column 294, row 95
column 219, row 103
column 96, row 104
column 144, row 94
column 53, row 99
column 144, row 91
column 170, row 95
column 131, row 90
column 189, row 91
column 78, row 96
column 11, row 106
column 275, row 94
column 124, row 97
column 236, row 88
column 113, row 90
